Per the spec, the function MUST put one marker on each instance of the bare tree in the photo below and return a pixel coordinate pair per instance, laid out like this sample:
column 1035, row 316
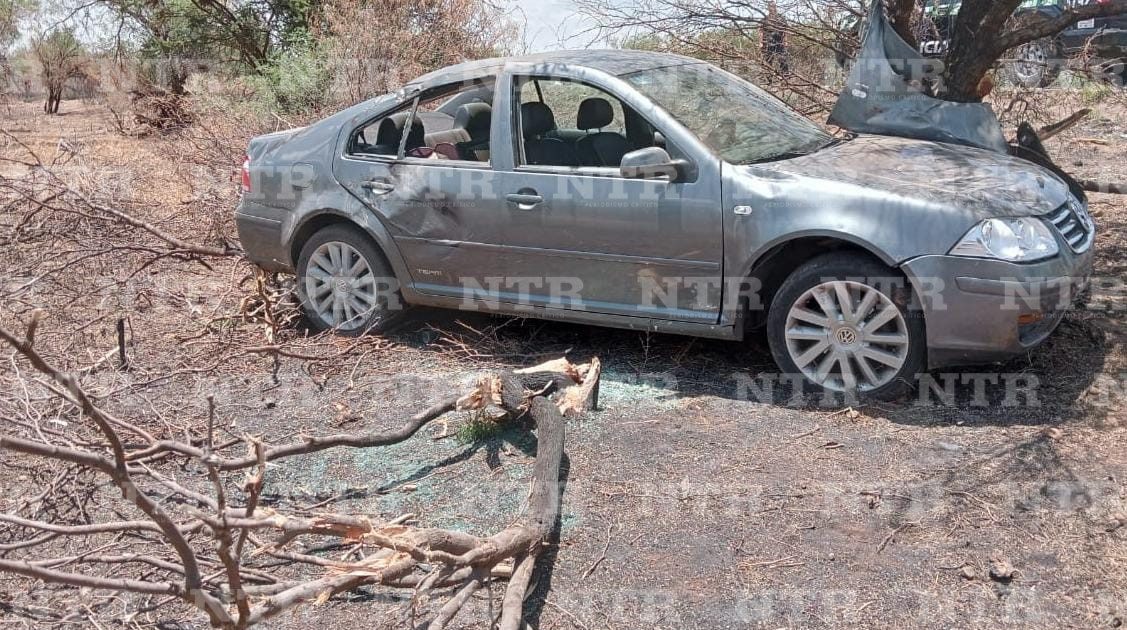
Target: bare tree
column 61, row 58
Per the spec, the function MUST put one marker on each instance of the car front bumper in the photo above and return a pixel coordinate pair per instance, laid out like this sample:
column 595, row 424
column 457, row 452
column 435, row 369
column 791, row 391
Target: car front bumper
column 982, row 311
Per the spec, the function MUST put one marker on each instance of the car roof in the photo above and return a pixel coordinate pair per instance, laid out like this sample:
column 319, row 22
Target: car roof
column 616, row 62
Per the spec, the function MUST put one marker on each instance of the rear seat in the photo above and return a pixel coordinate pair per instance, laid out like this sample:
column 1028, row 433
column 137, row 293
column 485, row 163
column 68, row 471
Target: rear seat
column 470, row 135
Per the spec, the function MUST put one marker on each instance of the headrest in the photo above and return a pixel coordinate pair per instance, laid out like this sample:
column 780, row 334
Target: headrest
column 638, row 131
column 594, row 113
column 536, row 119
column 390, row 132
column 416, row 137
column 475, row 118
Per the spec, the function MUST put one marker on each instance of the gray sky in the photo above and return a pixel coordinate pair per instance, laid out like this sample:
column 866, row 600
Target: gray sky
column 552, row 25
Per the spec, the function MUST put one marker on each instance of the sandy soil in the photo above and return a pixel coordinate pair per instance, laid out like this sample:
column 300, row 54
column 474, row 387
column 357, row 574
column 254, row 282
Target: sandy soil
column 696, row 497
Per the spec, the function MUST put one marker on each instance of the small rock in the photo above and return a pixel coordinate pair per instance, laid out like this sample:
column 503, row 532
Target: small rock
column 968, row 572
column 1001, row 571
column 410, row 487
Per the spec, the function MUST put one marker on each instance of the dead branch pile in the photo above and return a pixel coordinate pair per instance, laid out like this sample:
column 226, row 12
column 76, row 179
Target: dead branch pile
column 181, row 519
column 156, row 110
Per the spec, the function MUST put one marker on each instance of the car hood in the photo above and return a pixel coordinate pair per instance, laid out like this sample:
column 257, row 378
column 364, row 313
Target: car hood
column 985, row 183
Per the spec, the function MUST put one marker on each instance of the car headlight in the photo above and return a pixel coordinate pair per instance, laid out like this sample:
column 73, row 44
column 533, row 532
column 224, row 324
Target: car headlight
column 1020, row 239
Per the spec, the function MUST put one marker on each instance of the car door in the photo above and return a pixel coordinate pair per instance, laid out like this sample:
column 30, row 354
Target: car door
column 491, row 232
column 443, row 215
column 587, row 238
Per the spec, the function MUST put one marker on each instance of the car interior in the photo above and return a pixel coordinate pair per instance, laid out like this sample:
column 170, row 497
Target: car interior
column 459, row 127
column 598, row 138
column 453, row 127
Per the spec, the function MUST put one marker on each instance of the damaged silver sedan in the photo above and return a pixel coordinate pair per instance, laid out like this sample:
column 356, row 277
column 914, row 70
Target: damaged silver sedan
column 655, row 192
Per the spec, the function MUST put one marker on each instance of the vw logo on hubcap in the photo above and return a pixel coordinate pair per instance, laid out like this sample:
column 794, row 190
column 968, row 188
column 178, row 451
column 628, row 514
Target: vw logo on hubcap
column 846, row 336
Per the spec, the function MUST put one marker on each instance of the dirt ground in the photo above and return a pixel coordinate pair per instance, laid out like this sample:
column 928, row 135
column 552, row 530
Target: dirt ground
column 699, row 495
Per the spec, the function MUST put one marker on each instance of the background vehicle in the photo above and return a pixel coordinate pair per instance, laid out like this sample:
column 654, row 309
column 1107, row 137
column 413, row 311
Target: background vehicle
column 655, row 192
column 1039, row 63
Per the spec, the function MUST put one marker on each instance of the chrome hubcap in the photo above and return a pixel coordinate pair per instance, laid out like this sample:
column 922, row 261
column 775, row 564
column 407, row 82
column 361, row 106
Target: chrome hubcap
column 340, row 286
column 847, row 336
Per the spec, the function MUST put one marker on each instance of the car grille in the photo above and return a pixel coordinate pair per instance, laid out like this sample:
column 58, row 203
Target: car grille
column 1074, row 224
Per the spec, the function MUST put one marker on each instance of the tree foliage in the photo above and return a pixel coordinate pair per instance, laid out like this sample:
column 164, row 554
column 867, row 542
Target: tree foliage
column 12, row 13
column 241, row 32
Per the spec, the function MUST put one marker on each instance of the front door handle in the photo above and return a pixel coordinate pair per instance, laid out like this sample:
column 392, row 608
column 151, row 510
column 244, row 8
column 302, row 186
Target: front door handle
column 525, row 201
column 377, row 187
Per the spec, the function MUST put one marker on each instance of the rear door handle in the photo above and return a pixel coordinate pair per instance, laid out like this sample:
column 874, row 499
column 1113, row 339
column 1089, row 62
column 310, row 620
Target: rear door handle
column 377, row 187
column 525, row 201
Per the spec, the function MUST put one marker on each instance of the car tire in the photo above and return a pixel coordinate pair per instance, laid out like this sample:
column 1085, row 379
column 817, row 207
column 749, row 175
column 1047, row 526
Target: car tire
column 1036, row 64
column 875, row 354
column 345, row 284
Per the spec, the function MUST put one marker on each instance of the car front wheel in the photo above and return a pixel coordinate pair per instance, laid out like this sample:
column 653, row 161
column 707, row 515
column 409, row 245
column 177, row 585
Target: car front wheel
column 344, row 283
column 843, row 322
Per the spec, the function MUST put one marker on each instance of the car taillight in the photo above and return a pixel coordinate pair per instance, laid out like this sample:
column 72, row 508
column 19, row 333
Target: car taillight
column 246, row 174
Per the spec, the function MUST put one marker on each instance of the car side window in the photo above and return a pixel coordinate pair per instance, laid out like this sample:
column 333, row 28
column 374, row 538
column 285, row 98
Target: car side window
column 381, row 137
column 572, row 124
column 450, row 123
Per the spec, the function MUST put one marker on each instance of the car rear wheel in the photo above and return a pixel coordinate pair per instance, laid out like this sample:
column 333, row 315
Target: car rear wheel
column 344, row 283
column 1036, row 64
column 842, row 322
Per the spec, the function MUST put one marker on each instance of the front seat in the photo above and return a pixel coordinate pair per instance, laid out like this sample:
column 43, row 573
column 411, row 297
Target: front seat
column 536, row 121
column 602, row 148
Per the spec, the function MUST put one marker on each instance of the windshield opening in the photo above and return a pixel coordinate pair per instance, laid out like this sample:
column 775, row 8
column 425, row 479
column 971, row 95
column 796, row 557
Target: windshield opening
column 740, row 122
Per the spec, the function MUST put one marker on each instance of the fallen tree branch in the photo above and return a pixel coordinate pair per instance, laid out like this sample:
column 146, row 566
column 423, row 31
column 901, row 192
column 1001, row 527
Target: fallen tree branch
column 399, row 555
column 1109, row 188
column 1049, row 131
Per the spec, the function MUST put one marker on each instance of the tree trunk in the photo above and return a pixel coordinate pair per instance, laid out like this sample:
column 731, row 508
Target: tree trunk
column 900, row 13
column 972, row 53
column 54, row 95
